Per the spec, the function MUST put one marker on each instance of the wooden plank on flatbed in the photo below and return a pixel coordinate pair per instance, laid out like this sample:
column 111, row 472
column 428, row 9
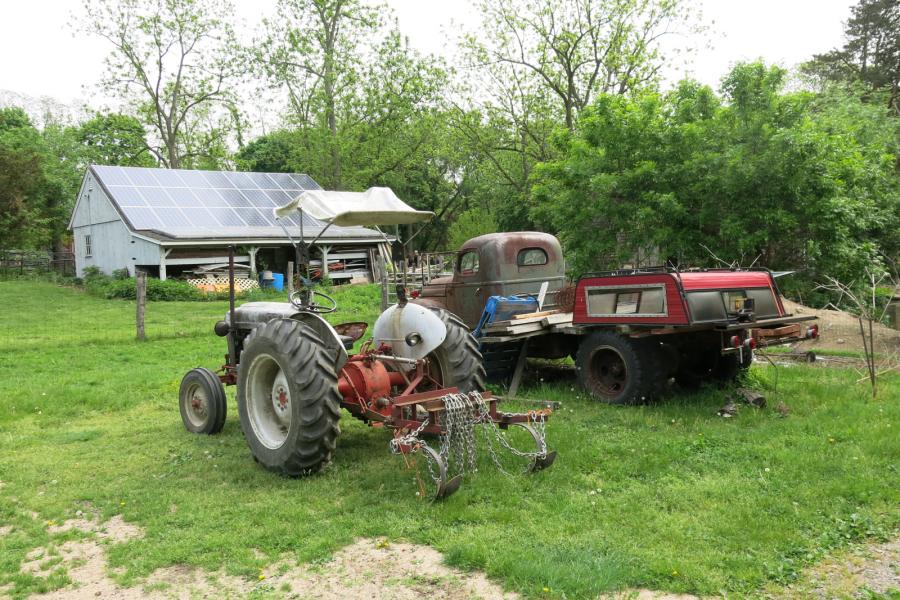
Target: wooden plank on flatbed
column 557, row 319
column 543, row 313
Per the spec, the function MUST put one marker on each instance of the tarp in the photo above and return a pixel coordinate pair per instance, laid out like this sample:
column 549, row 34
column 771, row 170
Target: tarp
column 375, row 206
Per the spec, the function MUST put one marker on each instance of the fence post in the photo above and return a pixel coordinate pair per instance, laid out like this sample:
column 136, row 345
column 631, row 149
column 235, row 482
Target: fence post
column 290, row 278
column 141, row 293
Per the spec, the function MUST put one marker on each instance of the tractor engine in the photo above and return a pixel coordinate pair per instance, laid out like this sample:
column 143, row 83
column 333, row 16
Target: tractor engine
column 366, row 385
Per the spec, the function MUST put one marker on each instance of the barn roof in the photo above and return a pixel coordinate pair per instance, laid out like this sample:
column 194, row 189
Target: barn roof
column 186, row 205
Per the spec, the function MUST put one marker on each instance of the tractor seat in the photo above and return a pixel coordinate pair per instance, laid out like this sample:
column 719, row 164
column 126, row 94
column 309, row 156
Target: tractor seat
column 347, row 341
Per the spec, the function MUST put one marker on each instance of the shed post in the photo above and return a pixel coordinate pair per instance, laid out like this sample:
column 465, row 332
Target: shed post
column 253, row 251
column 324, row 250
column 162, row 263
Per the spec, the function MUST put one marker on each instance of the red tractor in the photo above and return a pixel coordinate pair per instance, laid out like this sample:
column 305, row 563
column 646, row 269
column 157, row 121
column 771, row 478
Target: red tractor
column 420, row 374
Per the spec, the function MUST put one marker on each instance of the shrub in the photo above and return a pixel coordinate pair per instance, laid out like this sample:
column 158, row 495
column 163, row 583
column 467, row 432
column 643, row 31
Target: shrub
column 101, row 285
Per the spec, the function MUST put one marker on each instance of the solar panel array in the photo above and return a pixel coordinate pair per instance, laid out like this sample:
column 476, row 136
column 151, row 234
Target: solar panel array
column 191, row 204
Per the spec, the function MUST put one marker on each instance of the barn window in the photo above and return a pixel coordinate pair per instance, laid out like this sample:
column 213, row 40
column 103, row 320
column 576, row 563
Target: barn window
column 531, row 256
column 87, row 246
column 610, row 301
column 468, row 263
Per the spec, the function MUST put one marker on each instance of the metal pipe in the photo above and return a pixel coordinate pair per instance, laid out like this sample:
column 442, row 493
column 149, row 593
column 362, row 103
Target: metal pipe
column 395, row 359
column 231, row 316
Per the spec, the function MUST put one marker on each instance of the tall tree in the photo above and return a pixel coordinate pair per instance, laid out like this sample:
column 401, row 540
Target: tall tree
column 24, row 186
column 173, row 62
column 364, row 109
column 871, row 54
column 792, row 180
column 538, row 64
column 576, row 49
column 114, row 139
column 312, row 52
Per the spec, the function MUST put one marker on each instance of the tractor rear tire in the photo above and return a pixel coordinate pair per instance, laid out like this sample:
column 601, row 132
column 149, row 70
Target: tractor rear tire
column 201, row 399
column 618, row 370
column 458, row 359
column 288, row 398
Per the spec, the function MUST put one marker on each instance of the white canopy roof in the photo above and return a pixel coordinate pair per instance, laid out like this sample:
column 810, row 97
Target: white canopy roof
column 375, row 206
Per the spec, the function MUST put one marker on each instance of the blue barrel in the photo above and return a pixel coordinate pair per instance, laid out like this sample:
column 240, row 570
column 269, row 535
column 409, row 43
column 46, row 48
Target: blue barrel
column 278, row 281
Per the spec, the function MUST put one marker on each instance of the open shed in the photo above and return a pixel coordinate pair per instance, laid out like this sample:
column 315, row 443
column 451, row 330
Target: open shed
column 171, row 222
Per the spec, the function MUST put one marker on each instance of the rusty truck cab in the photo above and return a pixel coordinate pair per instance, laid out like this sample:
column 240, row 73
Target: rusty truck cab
column 497, row 264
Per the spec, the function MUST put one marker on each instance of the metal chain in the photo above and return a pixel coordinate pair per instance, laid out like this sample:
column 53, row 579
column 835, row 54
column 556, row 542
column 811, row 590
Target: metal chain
column 412, row 439
column 462, row 413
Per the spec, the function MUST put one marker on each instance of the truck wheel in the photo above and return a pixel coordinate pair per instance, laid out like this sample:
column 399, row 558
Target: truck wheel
column 727, row 368
column 201, row 399
column 457, row 361
column 731, row 366
column 698, row 359
column 619, row 370
column 288, row 398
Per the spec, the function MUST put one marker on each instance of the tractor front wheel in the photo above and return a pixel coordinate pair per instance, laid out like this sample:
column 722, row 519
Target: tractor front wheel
column 201, row 399
column 288, row 398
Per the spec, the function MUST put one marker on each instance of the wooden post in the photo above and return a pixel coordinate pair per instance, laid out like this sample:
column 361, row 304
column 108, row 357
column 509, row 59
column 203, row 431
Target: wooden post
column 290, row 278
column 520, row 368
column 141, row 293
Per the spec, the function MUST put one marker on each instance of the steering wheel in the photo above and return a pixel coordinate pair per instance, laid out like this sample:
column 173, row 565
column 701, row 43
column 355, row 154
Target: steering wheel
column 298, row 300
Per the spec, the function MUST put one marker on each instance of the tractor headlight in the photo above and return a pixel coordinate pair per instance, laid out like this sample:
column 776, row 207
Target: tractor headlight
column 413, row 339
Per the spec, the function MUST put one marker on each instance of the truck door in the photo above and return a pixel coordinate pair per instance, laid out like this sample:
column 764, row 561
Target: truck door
column 465, row 296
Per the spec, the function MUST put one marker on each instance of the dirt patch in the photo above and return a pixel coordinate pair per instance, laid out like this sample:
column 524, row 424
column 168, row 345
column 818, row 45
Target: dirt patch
column 366, row 569
column 852, row 574
column 116, row 529
column 5, row 530
column 839, row 330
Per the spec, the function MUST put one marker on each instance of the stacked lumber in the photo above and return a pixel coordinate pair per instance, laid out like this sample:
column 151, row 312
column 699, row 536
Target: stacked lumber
column 528, row 323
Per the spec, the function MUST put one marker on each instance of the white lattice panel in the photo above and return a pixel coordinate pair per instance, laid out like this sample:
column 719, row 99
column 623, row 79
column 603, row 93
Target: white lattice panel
column 220, row 283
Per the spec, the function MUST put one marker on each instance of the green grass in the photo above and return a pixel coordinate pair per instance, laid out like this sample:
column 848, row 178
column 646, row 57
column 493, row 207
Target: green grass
column 667, row 496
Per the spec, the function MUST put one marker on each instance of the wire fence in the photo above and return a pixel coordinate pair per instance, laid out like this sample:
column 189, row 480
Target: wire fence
column 22, row 262
column 36, row 315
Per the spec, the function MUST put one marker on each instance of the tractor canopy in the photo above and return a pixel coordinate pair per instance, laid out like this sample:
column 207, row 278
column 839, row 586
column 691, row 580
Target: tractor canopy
column 375, row 206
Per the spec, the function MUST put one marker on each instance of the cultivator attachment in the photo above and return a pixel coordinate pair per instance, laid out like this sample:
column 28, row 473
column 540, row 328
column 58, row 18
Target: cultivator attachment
column 456, row 419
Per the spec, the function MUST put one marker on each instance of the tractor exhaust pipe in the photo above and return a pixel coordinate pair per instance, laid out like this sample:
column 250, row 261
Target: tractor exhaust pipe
column 231, row 316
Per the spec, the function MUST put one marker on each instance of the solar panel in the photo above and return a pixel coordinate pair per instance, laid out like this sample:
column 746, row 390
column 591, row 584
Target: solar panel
column 217, row 179
column 142, row 177
column 196, row 204
column 183, row 197
column 193, row 179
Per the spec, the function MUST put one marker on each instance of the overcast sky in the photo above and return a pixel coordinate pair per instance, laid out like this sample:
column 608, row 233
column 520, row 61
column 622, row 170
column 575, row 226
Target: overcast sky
column 42, row 57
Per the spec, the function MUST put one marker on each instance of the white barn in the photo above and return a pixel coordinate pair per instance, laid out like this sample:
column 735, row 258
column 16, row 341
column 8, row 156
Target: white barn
column 166, row 221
